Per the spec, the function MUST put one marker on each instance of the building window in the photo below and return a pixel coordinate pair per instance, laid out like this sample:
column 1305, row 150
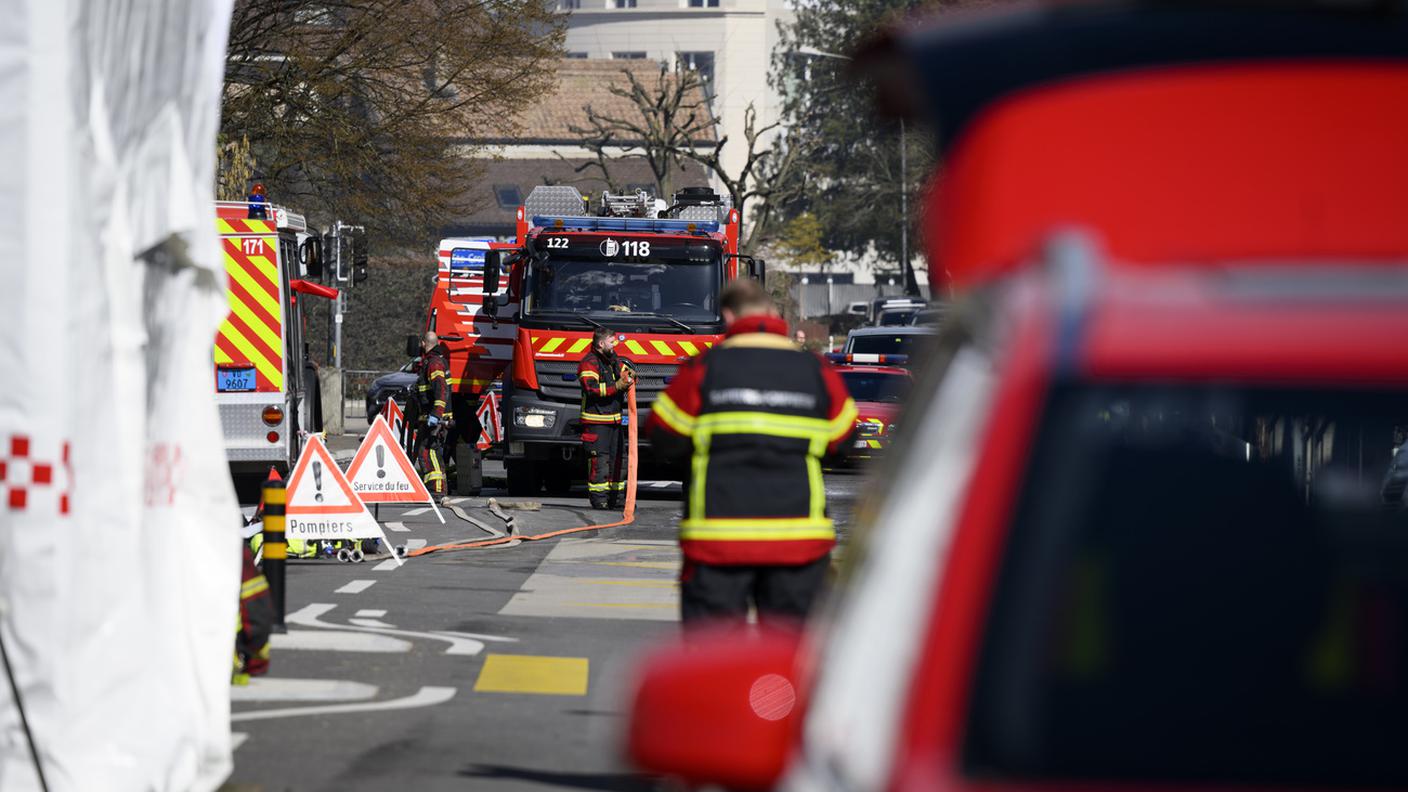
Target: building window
column 628, row 55
column 508, row 196
column 703, row 3
column 701, row 63
column 569, row 5
column 621, row 3
column 577, row 55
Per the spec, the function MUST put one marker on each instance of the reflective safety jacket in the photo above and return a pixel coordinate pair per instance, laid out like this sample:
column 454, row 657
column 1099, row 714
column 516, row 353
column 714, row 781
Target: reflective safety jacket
column 432, row 384
column 601, row 400
column 758, row 415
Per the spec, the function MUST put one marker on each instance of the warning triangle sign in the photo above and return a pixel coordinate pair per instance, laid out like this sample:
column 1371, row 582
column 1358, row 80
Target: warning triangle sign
column 321, row 503
column 394, row 417
column 382, row 473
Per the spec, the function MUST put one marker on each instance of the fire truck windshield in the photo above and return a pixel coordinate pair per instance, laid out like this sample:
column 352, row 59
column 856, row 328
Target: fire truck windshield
column 675, row 279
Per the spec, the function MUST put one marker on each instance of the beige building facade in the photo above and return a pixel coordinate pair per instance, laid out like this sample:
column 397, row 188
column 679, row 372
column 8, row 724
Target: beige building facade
column 730, row 43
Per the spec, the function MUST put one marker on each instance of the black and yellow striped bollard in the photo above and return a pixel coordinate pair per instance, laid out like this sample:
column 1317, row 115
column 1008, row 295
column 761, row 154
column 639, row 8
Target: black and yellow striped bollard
column 275, row 547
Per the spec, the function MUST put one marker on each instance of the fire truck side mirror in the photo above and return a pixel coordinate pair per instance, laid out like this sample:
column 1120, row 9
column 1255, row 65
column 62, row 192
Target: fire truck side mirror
column 493, row 261
column 359, row 255
column 412, row 346
column 311, row 254
column 758, row 268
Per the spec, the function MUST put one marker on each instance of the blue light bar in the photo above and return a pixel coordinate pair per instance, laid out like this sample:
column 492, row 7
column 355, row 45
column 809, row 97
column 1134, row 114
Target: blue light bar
column 626, row 224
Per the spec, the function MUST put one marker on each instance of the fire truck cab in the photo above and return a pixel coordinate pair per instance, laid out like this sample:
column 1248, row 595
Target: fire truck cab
column 649, row 271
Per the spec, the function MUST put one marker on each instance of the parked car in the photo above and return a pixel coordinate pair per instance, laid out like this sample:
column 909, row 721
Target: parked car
column 885, row 340
column 897, row 317
column 878, row 391
column 395, row 385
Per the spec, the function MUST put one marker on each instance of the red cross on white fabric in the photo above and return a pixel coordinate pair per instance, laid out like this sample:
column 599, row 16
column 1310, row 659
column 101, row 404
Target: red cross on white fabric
column 23, row 477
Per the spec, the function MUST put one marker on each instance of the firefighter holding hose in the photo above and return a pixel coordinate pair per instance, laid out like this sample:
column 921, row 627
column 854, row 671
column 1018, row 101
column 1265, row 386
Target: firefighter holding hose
column 605, row 379
column 433, row 394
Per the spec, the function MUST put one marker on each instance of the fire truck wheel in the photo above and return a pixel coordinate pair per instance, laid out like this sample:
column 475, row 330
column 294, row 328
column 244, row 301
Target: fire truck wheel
column 523, row 478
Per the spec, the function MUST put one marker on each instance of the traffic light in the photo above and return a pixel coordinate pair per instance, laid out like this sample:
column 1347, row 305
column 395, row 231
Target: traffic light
column 359, row 254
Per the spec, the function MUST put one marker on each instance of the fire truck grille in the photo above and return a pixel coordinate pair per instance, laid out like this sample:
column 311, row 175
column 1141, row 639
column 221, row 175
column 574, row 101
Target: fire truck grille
column 557, row 381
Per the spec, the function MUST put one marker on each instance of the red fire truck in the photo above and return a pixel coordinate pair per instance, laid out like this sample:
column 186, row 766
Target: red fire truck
column 525, row 312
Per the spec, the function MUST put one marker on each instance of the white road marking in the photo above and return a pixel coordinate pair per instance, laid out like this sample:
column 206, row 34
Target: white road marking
column 392, row 563
column 237, row 739
column 337, row 641
column 282, row 689
column 356, row 586
column 415, row 512
column 397, row 525
column 370, row 623
column 460, row 644
column 427, row 696
column 371, row 613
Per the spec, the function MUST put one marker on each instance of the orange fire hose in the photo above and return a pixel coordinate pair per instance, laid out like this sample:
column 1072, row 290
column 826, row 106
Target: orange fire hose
column 627, row 517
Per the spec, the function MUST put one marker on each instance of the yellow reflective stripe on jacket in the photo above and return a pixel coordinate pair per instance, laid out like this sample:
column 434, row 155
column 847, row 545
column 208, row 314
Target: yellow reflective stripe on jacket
column 437, row 373
column 757, row 530
column 842, row 424
column 253, row 587
column 764, row 423
column 601, row 417
column 590, row 374
column 672, row 416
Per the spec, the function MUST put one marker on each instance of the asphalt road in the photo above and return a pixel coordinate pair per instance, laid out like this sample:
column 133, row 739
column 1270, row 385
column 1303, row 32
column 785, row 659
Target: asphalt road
column 495, row 669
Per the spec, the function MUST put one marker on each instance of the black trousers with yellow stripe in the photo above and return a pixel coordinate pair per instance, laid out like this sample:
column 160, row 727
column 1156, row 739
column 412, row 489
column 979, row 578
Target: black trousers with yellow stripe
column 430, row 458
column 606, row 463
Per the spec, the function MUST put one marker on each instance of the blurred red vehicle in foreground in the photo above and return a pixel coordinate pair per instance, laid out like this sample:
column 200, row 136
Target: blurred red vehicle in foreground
column 1141, row 528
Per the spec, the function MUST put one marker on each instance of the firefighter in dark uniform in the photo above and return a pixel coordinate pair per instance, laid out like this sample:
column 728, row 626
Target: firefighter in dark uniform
column 757, row 414
column 605, row 378
column 433, row 393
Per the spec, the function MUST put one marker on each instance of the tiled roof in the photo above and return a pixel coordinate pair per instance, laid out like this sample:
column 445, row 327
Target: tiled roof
column 492, row 219
column 586, row 83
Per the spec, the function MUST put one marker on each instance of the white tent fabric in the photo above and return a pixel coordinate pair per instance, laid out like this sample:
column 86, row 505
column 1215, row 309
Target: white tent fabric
column 119, row 540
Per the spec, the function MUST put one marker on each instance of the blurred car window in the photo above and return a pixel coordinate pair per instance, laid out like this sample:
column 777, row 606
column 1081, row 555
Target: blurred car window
column 883, row 344
column 1179, row 604
column 876, row 386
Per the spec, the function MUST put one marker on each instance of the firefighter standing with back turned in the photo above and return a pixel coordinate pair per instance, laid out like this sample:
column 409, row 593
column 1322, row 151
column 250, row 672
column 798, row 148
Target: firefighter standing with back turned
column 433, row 393
column 757, row 414
column 605, row 378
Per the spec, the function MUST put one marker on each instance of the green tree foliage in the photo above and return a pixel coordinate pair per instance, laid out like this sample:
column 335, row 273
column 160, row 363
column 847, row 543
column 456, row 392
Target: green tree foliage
column 358, row 109
column 855, row 182
column 802, row 243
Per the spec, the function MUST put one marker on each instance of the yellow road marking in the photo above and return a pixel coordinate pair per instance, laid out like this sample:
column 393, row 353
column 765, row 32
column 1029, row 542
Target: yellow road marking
column 554, row 676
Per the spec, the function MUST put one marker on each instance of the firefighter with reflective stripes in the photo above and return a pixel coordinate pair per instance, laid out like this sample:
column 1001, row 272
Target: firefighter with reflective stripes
column 757, row 415
column 256, row 623
column 433, row 394
column 605, row 378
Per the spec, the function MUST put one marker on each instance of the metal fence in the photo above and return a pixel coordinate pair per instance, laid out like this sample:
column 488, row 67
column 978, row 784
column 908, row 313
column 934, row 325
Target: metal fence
column 355, row 383
column 823, row 299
